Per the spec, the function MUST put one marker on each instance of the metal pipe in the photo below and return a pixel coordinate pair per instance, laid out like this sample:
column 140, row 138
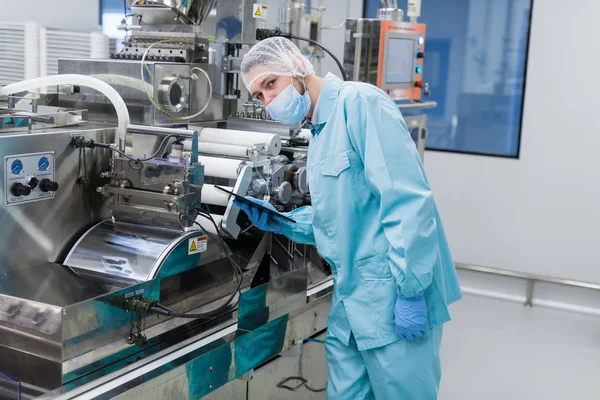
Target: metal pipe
column 290, row 255
column 319, row 287
column 158, row 131
column 529, row 296
column 82, row 80
column 295, row 149
column 44, row 119
column 357, row 55
column 417, row 105
column 530, row 277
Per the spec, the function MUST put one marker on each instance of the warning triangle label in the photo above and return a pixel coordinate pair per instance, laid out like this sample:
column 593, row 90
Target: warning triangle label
column 257, row 12
column 197, row 245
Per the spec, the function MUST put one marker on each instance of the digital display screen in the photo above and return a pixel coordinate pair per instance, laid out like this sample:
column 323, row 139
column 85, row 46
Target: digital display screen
column 400, row 58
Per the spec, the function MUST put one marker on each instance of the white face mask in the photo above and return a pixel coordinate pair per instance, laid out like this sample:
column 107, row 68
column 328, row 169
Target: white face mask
column 289, row 107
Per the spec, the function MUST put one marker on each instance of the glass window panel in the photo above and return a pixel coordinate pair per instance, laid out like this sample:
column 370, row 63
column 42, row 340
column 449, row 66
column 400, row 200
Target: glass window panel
column 475, row 61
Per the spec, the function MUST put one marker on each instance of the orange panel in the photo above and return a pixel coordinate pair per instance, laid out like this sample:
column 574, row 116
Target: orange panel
column 413, row 93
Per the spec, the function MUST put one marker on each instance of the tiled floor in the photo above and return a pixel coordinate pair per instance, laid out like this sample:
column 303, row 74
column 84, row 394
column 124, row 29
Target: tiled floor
column 496, row 350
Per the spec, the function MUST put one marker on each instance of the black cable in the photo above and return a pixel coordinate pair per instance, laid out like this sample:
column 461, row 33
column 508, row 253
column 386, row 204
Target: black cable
column 207, row 215
column 228, row 305
column 314, row 42
column 315, row 390
column 217, row 312
column 304, row 381
column 130, row 158
column 267, row 33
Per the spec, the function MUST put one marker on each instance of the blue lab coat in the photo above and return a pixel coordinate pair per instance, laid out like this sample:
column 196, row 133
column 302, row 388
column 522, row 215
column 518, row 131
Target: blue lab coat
column 373, row 216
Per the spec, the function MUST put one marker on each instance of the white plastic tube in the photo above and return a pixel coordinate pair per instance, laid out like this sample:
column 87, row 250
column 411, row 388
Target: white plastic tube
column 217, row 149
column 305, row 133
column 81, row 80
column 211, row 195
column 244, row 139
column 207, row 225
column 220, row 167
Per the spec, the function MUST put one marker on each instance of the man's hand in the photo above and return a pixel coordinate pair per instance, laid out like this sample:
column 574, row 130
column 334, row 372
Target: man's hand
column 259, row 218
column 411, row 317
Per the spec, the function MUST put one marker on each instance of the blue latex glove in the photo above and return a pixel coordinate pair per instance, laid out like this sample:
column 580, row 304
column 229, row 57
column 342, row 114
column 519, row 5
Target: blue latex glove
column 411, row 317
column 260, row 219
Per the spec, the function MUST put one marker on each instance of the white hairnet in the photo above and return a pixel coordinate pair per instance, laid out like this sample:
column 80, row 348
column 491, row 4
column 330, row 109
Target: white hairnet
column 274, row 56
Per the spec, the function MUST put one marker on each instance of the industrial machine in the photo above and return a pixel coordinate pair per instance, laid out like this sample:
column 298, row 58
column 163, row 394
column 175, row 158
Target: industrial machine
column 119, row 257
column 124, row 272
column 389, row 52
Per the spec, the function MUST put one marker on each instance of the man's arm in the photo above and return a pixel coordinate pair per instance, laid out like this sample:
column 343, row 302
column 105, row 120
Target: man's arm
column 395, row 175
column 302, row 230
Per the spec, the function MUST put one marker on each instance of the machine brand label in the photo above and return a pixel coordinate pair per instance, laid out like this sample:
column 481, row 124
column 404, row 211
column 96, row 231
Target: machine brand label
column 197, row 245
column 259, row 10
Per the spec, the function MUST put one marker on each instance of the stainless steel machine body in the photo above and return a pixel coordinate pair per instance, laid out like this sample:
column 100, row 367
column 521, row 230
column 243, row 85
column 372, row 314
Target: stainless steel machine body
column 109, row 232
column 124, row 254
column 170, row 84
column 57, row 333
column 30, row 231
column 272, row 318
column 53, row 321
column 101, row 243
column 97, row 230
column 59, row 324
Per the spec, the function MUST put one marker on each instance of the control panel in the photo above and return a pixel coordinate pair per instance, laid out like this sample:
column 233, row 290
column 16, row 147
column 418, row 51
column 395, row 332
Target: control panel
column 400, row 63
column 29, row 177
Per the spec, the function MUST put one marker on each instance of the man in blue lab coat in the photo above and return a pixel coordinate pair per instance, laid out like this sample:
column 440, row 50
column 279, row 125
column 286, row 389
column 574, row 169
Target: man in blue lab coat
column 373, row 218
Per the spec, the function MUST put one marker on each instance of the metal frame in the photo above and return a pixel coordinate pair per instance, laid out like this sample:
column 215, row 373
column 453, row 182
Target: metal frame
column 417, row 105
column 229, row 221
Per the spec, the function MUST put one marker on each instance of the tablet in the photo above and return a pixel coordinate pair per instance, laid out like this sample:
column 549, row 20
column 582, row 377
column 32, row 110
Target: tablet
column 253, row 204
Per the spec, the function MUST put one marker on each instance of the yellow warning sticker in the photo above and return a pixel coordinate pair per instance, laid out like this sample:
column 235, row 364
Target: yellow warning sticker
column 259, row 10
column 197, row 245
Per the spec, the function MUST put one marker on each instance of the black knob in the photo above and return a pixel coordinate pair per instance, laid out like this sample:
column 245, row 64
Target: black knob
column 46, row 185
column 33, row 182
column 420, row 55
column 18, row 189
